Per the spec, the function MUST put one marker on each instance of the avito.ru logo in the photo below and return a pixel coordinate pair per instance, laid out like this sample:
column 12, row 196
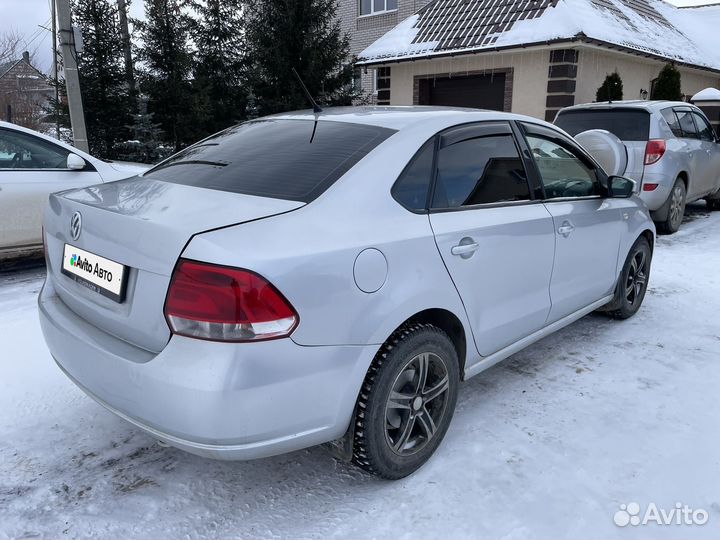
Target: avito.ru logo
column 680, row 514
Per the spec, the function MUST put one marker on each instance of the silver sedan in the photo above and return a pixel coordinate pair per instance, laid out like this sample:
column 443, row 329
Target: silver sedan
column 307, row 278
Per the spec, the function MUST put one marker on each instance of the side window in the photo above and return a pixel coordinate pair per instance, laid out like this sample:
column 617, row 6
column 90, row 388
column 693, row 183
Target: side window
column 481, row 170
column 411, row 187
column 704, row 128
column 562, row 172
column 686, row 124
column 672, row 121
column 22, row 151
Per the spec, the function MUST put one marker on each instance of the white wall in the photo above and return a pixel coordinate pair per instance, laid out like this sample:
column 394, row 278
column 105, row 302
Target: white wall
column 636, row 73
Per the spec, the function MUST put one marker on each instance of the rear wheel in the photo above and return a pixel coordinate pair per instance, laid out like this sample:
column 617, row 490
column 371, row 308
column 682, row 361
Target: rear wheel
column 406, row 402
column 676, row 208
column 633, row 281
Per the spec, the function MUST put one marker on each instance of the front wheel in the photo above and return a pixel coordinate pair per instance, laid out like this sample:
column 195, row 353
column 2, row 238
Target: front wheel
column 406, row 402
column 633, row 281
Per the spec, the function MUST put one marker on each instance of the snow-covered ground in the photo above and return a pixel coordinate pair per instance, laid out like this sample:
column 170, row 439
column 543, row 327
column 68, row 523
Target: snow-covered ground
column 547, row 444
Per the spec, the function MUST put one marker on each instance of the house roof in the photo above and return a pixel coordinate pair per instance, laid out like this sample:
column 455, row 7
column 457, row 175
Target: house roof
column 5, row 67
column 449, row 27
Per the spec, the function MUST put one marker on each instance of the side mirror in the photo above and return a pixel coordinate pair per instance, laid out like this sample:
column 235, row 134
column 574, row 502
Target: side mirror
column 75, row 162
column 621, row 187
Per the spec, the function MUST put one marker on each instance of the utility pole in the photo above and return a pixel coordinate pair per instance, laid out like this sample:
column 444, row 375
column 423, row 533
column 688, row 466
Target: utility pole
column 125, row 36
column 72, row 78
column 55, row 71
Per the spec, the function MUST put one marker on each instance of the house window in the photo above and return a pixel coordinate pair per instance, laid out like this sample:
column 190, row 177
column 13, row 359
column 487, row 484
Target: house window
column 381, row 86
column 372, row 7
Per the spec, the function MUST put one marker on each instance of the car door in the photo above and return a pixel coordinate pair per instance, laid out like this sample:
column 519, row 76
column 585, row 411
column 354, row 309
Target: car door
column 698, row 159
column 30, row 169
column 709, row 146
column 494, row 234
column 587, row 224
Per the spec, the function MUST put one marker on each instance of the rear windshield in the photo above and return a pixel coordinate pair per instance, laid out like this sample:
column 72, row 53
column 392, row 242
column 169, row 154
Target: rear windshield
column 283, row 159
column 625, row 124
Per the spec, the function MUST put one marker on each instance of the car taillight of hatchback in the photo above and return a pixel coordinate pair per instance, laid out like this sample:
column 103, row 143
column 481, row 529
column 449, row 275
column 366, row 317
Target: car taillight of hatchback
column 654, row 150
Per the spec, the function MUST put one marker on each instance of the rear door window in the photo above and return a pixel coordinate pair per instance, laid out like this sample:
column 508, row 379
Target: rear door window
column 480, row 170
column 284, row 159
column 672, row 121
column 689, row 131
column 625, row 124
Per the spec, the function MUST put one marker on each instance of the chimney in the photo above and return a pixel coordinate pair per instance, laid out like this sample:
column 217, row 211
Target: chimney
column 26, row 57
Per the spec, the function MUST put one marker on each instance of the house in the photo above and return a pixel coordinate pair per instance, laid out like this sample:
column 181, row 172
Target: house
column 24, row 92
column 527, row 56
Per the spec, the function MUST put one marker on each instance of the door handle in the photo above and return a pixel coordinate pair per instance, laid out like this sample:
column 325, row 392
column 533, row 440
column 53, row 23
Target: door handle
column 566, row 228
column 465, row 248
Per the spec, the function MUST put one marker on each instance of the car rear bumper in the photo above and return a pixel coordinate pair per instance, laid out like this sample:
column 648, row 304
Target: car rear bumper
column 219, row 400
column 656, row 198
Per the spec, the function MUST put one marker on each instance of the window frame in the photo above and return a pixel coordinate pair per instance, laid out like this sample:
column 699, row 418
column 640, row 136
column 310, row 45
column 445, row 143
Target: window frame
column 688, row 110
column 373, row 12
column 699, row 113
column 43, row 142
column 474, row 130
column 545, row 132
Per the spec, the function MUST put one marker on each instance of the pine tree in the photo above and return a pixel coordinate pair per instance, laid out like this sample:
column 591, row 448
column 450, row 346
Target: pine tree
column 146, row 144
column 306, row 35
column 102, row 75
column 667, row 86
column 217, row 33
column 611, row 88
column 166, row 61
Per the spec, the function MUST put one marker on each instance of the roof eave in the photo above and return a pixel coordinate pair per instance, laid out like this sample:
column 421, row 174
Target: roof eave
column 582, row 38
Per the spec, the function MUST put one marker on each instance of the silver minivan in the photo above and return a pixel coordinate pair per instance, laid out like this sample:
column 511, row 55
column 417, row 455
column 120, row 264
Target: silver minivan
column 670, row 148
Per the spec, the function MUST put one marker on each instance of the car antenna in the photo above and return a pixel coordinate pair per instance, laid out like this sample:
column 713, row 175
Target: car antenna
column 316, row 108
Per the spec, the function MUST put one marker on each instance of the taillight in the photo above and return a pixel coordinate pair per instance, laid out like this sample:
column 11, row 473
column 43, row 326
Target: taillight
column 220, row 303
column 649, row 187
column 654, row 150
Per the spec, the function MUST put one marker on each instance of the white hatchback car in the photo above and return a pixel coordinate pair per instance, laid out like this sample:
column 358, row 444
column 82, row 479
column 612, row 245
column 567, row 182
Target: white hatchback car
column 32, row 166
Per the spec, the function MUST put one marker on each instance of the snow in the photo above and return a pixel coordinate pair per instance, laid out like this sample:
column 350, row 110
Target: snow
column 707, row 94
column 547, row 444
column 569, row 18
column 399, row 41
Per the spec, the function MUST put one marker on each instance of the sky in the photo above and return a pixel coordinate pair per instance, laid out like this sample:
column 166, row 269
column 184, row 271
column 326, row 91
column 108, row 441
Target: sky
column 25, row 16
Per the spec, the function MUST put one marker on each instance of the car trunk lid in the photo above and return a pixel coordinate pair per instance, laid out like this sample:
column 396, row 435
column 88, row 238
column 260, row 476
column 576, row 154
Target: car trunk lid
column 143, row 224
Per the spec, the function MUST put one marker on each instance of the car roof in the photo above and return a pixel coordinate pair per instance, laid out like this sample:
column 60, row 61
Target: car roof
column 651, row 105
column 404, row 117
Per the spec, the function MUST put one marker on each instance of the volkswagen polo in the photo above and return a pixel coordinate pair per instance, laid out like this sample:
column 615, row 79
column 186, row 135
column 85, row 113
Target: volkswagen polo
column 307, row 278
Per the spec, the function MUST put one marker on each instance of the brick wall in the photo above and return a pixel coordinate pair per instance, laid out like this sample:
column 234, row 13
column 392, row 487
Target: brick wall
column 364, row 30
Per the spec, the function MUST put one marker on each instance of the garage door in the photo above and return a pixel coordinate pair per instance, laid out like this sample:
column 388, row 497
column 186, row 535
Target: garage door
column 478, row 91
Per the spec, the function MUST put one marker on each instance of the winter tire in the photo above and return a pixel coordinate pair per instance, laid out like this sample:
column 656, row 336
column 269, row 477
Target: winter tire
column 406, row 402
column 633, row 281
column 676, row 208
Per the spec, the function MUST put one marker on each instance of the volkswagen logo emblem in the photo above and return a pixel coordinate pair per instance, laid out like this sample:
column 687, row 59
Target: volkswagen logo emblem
column 76, row 225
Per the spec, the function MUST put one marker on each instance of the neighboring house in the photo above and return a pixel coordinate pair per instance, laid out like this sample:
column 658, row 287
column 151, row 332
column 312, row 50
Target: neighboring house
column 527, row 56
column 24, row 93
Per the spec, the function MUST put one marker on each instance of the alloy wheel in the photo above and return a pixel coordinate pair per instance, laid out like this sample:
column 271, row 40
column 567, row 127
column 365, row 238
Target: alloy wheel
column 417, row 404
column 676, row 205
column 637, row 277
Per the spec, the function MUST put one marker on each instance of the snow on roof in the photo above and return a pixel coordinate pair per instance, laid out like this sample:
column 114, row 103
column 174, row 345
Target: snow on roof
column 646, row 26
column 708, row 94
